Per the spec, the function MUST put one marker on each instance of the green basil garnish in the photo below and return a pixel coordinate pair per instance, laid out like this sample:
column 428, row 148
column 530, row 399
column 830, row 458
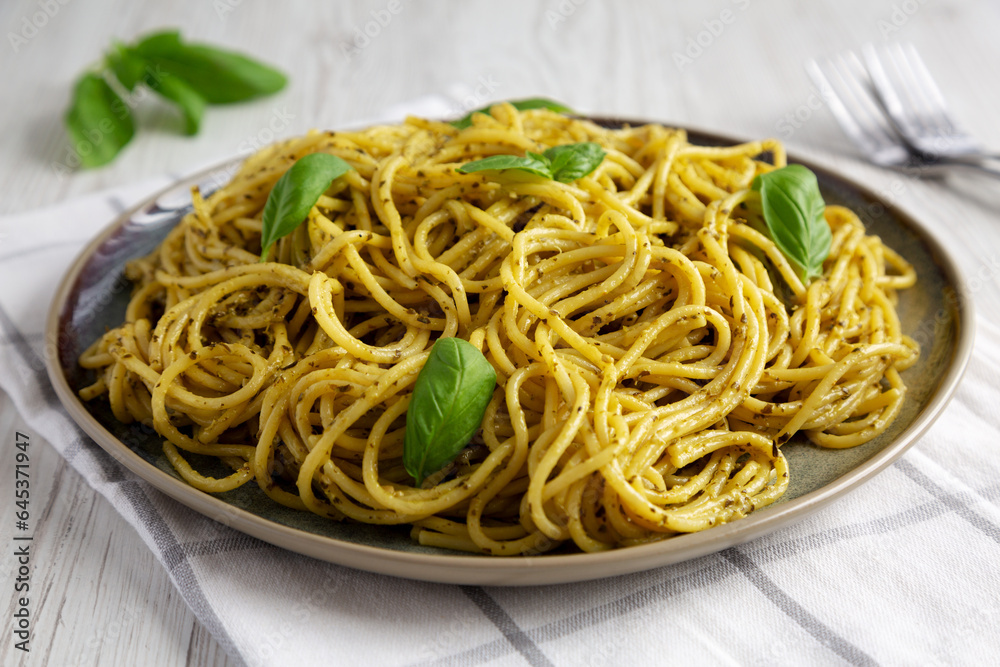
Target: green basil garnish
column 532, row 163
column 449, row 400
column 187, row 75
column 564, row 163
column 572, row 161
column 792, row 207
column 98, row 121
column 520, row 105
column 295, row 193
column 217, row 75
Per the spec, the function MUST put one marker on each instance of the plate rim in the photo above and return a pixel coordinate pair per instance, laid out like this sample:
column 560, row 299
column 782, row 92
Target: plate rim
column 523, row 570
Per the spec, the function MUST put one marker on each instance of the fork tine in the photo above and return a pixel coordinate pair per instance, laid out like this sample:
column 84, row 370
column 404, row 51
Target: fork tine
column 846, row 90
column 844, row 117
column 856, row 80
column 908, row 56
column 889, row 92
column 895, row 112
column 901, row 93
column 913, row 99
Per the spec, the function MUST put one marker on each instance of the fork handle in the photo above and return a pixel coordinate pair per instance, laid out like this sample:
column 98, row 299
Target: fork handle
column 988, row 165
column 983, row 166
column 973, row 159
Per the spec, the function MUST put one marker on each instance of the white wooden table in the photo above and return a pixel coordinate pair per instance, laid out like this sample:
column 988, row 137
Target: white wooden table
column 731, row 66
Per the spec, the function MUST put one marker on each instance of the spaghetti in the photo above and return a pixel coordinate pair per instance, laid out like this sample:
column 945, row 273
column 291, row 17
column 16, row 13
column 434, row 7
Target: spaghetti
column 653, row 349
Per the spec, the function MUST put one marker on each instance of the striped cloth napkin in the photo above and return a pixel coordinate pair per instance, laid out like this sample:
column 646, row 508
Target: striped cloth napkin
column 905, row 570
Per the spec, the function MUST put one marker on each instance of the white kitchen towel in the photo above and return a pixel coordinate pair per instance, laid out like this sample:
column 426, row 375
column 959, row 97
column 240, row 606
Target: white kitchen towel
column 905, row 570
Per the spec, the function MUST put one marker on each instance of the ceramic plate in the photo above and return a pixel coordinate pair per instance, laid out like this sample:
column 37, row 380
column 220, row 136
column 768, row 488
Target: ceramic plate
column 94, row 292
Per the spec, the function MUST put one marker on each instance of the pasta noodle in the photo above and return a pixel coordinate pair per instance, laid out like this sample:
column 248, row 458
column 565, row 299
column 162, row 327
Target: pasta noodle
column 653, row 349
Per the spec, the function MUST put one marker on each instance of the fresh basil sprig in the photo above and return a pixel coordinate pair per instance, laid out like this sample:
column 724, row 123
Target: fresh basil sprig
column 295, row 193
column 792, row 207
column 564, row 163
column 449, row 400
column 521, row 105
column 187, row 75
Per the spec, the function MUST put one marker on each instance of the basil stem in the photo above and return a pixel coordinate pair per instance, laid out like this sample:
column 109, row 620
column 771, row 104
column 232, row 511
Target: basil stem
column 792, row 208
column 449, row 400
column 191, row 104
column 295, row 193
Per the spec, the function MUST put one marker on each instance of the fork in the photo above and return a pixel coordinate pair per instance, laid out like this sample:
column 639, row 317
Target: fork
column 916, row 105
column 850, row 92
column 844, row 85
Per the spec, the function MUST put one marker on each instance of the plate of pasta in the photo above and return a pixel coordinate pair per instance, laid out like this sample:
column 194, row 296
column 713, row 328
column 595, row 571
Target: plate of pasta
column 522, row 348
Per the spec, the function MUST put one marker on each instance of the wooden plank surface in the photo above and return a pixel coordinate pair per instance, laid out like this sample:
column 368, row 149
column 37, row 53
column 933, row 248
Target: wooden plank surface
column 730, row 66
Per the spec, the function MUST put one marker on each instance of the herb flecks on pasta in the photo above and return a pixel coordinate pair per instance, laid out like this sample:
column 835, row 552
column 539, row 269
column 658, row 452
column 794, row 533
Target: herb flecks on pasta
column 653, row 347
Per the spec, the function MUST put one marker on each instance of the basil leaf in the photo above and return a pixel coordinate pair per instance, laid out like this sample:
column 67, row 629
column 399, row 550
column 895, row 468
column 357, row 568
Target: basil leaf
column 532, row 163
column 295, row 193
column 520, row 105
column 160, row 42
column 217, row 75
column 793, row 207
column 564, row 163
column 128, row 66
column 98, row 121
column 449, row 400
column 572, row 161
column 192, row 104
column 541, row 103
